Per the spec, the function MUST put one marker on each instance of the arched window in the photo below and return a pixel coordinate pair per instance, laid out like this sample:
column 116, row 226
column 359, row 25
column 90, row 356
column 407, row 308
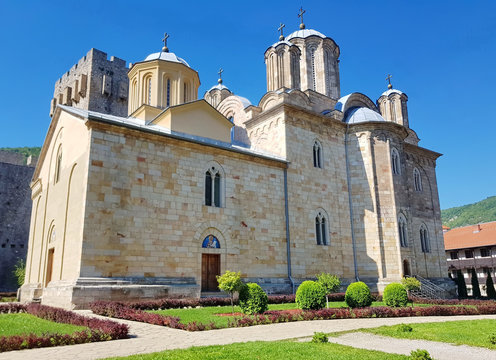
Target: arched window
column 317, row 155
column 395, row 161
column 406, row 268
column 312, row 62
column 424, row 239
column 167, row 92
column 147, row 89
column 134, row 95
column 321, row 228
column 185, row 97
column 295, row 70
column 213, row 187
column 417, row 180
column 58, row 164
column 402, row 230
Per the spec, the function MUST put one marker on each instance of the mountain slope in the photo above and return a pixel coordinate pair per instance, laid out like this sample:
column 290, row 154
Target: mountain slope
column 25, row 151
column 479, row 212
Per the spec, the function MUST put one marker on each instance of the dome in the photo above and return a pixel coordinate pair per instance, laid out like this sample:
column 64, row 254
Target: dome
column 219, row 87
column 167, row 56
column 391, row 91
column 304, row 34
column 358, row 115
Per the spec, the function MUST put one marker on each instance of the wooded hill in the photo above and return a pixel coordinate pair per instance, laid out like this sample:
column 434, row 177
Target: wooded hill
column 471, row 214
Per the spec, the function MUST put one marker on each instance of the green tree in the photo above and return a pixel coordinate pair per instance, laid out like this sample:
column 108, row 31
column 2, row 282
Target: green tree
column 20, row 271
column 330, row 283
column 462, row 287
column 411, row 284
column 490, row 291
column 475, row 285
column 230, row 282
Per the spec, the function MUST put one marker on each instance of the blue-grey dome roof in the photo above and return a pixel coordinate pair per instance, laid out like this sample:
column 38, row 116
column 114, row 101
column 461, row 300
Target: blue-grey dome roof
column 358, row 115
column 304, row 34
column 391, row 91
column 218, row 87
column 167, row 56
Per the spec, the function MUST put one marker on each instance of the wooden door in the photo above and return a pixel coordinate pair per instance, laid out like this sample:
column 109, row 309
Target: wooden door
column 49, row 266
column 210, row 270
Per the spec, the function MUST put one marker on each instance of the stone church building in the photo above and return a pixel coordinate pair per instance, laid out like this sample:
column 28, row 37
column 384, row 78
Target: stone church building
column 144, row 190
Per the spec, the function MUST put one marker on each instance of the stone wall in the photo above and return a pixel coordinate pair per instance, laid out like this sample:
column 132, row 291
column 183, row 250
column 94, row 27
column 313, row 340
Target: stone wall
column 94, row 83
column 15, row 213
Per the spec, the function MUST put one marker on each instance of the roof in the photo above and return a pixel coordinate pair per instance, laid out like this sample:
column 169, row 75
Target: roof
column 218, row 87
column 167, row 56
column 304, row 34
column 391, row 91
column 471, row 236
column 362, row 114
column 141, row 125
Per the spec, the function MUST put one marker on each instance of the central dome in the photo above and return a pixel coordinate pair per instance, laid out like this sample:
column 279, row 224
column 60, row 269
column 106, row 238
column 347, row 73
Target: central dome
column 167, row 56
column 304, row 34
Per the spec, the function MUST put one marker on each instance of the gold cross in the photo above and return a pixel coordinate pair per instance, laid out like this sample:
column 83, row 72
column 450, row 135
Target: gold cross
column 300, row 15
column 388, row 78
column 166, row 36
column 220, row 75
column 281, row 26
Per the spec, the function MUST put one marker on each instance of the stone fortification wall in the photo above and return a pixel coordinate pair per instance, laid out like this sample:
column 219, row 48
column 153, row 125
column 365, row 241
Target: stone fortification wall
column 15, row 213
column 94, row 83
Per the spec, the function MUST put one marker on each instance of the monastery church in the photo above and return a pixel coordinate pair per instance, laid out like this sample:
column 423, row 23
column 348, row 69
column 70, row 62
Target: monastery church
column 143, row 190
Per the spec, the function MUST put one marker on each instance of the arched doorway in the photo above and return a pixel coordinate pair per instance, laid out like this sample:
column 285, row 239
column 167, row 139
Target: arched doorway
column 406, row 268
column 210, row 264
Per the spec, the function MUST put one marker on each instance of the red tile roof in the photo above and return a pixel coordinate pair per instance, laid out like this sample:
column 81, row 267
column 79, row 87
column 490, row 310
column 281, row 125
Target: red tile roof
column 471, row 236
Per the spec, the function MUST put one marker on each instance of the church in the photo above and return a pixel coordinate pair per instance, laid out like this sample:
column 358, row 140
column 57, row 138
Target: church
column 143, row 190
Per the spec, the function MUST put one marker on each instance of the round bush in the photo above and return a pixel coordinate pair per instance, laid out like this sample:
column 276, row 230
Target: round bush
column 252, row 299
column 358, row 295
column 310, row 296
column 395, row 295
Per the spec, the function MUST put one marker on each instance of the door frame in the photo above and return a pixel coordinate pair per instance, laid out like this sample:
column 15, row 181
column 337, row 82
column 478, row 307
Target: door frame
column 204, row 287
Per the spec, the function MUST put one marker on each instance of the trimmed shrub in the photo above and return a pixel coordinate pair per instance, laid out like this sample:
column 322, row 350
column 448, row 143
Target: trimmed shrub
column 405, row 328
column 462, row 287
column 252, row 299
column 411, row 284
column 395, row 295
column 420, row 354
column 475, row 285
column 358, row 295
column 230, row 282
column 310, row 296
column 331, row 284
column 319, row 337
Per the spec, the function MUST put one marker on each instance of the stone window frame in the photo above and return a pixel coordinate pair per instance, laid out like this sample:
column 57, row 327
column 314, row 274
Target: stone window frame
column 424, row 239
column 318, row 155
column 321, row 223
column 58, row 165
column 147, row 88
column 403, row 230
column 217, row 189
column 417, row 179
column 395, row 162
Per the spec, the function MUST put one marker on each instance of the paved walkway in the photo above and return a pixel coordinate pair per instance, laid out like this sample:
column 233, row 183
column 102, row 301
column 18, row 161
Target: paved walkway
column 151, row 338
column 438, row 350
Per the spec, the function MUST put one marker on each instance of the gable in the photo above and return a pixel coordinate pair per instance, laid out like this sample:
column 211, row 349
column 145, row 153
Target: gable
column 196, row 118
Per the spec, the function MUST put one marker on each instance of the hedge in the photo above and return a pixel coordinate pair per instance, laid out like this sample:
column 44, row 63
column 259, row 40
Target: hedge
column 99, row 330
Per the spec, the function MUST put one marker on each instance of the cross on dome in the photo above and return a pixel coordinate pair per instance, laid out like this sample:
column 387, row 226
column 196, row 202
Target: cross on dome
column 165, row 48
column 300, row 15
column 388, row 78
column 281, row 26
column 220, row 75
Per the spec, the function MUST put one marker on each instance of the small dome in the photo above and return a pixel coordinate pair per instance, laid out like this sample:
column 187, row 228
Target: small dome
column 362, row 114
column 219, row 87
column 391, row 91
column 304, row 34
column 281, row 42
column 167, row 56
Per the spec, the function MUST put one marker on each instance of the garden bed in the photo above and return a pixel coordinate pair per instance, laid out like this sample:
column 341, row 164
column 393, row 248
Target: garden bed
column 135, row 312
column 82, row 329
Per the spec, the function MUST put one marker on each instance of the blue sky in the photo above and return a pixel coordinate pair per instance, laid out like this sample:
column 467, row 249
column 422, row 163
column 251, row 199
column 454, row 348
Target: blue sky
column 440, row 53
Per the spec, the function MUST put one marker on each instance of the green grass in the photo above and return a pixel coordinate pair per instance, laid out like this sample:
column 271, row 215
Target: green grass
column 467, row 332
column 206, row 315
column 20, row 324
column 8, row 299
column 270, row 350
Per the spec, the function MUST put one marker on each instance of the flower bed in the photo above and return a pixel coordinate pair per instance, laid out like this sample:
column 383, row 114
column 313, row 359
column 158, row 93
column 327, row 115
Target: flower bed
column 99, row 330
column 124, row 311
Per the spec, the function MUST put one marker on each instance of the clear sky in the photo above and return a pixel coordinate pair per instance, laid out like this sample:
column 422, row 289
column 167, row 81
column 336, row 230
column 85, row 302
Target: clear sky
column 442, row 54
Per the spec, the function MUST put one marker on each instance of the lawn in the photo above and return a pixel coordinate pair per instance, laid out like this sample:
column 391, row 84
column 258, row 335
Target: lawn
column 206, row 315
column 270, row 350
column 19, row 324
column 467, row 332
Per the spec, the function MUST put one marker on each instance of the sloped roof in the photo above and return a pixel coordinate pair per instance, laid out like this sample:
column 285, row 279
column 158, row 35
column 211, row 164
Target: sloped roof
column 471, row 236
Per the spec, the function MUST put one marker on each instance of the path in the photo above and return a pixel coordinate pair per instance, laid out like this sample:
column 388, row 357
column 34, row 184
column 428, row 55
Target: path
column 438, row 350
column 152, row 338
